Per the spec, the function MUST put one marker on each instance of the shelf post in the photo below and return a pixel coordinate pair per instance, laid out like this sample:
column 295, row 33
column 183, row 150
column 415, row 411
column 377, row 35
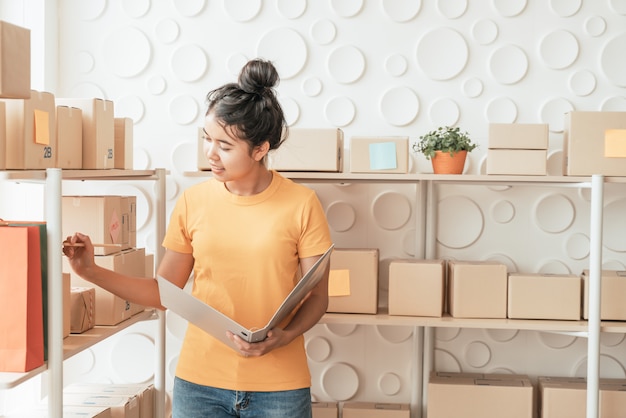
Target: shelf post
column 595, row 285
column 52, row 193
column 159, row 376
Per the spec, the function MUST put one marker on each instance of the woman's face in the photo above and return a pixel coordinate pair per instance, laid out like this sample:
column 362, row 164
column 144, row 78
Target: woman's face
column 230, row 158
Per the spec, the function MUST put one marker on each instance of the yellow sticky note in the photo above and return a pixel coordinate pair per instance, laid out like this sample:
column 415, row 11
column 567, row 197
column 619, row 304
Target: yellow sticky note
column 615, row 143
column 339, row 283
column 42, row 127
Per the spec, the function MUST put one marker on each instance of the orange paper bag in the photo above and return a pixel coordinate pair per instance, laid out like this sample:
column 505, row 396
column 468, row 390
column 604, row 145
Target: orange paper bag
column 21, row 300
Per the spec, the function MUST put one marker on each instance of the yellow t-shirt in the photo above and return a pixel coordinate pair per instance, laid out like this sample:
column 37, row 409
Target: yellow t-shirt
column 246, row 251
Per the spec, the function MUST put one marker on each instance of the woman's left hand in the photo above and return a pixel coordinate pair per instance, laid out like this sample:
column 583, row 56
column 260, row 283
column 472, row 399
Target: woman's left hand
column 275, row 338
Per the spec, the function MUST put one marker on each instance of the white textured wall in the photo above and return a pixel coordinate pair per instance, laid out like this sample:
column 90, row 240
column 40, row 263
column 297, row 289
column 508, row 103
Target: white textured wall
column 371, row 68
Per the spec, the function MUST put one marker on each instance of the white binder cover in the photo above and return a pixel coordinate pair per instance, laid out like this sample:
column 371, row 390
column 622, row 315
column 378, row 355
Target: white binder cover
column 216, row 323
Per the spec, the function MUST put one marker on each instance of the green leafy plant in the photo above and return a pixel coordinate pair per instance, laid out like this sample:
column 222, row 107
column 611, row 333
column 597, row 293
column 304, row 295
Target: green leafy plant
column 445, row 139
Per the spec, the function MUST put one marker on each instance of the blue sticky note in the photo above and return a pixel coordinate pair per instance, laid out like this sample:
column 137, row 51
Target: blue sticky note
column 383, row 156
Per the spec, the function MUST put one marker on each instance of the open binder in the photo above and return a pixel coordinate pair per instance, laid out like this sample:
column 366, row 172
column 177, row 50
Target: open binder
column 216, row 323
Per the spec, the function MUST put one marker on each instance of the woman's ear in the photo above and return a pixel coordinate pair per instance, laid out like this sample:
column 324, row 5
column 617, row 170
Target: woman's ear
column 261, row 151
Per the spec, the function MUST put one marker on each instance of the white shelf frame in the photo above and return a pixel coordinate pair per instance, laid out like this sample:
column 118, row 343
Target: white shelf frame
column 59, row 349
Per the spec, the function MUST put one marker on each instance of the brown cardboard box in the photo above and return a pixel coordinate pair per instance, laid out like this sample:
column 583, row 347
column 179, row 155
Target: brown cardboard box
column 416, row 287
column 83, row 309
column 379, row 154
column 518, row 136
column 100, row 217
column 544, row 296
column 325, row 409
column 123, row 137
column 111, row 309
column 613, row 289
column 3, row 136
column 69, row 411
column 594, row 143
column 31, row 138
column 98, row 131
column 477, row 289
column 122, row 406
column 69, row 137
column 375, row 410
column 128, row 206
column 14, row 61
column 517, row 162
column 149, row 269
column 488, row 396
column 567, row 397
column 67, row 312
column 353, row 281
column 309, row 150
column 144, row 393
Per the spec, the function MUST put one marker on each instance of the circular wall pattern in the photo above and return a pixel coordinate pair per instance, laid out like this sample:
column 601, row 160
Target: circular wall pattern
column 340, row 381
column 396, row 65
column 127, row 52
column 455, row 231
column 615, row 104
column 399, row 106
column 191, row 8
column 235, row 62
column 448, row 65
column 286, row 49
column 345, row 64
column 391, row 210
column 85, row 62
column 614, row 226
column 130, row 107
column 447, row 334
column 452, row 9
column 341, row 330
column 558, row 49
column 291, row 9
column 291, row 109
column 610, row 368
column 565, row 8
column 444, row 112
column 394, row 334
column 189, row 63
column 503, row 259
column 141, row 158
column 577, row 246
column 472, row 87
column 611, row 340
column 184, row 109
column 477, row 354
column 444, row 360
column 341, row 216
column 502, row 335
column 323, row 31
column 502, row 211
column 340, row 111
column 554, row 213
column 87, row 90
column 552, row 111
column 553, row 267
column 136, row 8
column 508, row 64
column 582, row 83
column 167, row 30
column 156, row 84
column 132, row 358
column 612, row 60
column 484, row 31
column 556, row 341
column 501, row 110
column 509, row 8
column 346, row 8
column 312, row 86
column 389, row 384
column 595, row 26
column 618, row 6
column 90, row 10
column 184, row 157
column 401, row 10
column 242, row 10
column 318, row 349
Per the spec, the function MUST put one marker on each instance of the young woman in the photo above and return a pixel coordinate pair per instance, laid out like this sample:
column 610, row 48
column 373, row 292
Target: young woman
column 245, row 234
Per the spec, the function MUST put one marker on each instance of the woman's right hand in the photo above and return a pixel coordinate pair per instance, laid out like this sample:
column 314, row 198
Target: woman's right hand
column 79, row 251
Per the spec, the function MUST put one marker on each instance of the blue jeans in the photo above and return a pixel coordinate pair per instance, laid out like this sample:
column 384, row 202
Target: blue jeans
column 196, row 401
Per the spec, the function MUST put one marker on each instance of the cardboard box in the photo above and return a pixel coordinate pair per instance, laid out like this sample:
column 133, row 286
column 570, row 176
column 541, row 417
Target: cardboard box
column 31, row 139
column 100, row 217
column 14, row 61
column 379, row 154
column 3, row 136
column 613, row 289
column 594, row 143
column 98, row 131
column 143, row 393
column 375, row 410
column 477, row 289
column 309, row 150
column 567, row 397
column 123, row 138
column 67, row 308
column 149, row 266
column 122, row 406
column 129, row 221
column 544, row 296
column 82, row 309
column 325, row 409
column 353, row 281
column 69, row 411
column 518, row 136
column 111, row 309
column 517, row 162
column 416, row 287
column 488, row 396
column 202, row 161
column 69, row 137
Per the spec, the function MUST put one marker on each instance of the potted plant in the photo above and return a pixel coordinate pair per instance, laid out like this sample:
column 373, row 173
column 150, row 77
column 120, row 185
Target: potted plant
column 447, row 148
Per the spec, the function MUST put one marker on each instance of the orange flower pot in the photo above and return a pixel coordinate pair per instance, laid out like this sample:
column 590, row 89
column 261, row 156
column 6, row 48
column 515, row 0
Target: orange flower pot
column 443, row 163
